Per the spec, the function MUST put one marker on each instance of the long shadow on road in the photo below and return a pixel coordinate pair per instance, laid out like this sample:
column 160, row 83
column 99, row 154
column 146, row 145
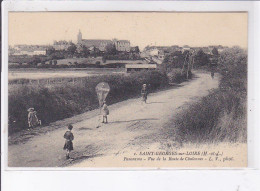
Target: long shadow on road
column 135, row 120
column 154, row 102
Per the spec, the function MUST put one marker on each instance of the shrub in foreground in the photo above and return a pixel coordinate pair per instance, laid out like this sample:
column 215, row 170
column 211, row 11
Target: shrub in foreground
column 220, row 116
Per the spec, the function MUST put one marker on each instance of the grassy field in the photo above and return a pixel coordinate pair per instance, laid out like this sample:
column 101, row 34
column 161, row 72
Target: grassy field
column 58, row 101
column 222, row 115
column 21, row 74
column 69, row 61
column 90, row 62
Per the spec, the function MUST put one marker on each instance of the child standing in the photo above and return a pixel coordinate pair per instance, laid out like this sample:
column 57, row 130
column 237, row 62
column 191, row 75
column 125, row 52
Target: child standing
column 144, row 93
column 68, row 143
column 105, row 112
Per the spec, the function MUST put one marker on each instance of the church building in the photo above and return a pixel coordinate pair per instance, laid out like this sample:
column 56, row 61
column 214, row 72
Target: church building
column 121, row 45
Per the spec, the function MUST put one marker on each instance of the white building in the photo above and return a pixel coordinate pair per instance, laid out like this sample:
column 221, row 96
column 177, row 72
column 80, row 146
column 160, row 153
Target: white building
column 39, row 52
column 122, row 45
column 28, row 50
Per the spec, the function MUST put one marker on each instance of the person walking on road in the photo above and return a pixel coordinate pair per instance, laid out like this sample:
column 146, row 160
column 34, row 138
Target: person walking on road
column 68, row 146
column 33, row 120
column 212, row 74
column 144, row 93
column 105, row 112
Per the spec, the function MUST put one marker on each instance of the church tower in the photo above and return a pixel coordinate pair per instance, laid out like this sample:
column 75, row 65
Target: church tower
column 79, row 37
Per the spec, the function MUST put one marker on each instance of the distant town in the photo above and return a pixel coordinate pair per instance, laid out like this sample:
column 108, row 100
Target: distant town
column 100, row 53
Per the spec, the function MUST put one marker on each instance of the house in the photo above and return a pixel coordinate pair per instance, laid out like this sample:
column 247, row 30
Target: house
column 122, row 45
column 28, row 50
column 61, row 45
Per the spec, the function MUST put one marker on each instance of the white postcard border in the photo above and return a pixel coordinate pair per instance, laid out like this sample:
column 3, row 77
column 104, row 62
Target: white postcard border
column 253, row 9
column 228, row 180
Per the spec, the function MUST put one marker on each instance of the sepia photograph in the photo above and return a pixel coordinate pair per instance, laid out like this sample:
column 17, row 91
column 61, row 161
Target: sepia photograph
column 127, row 89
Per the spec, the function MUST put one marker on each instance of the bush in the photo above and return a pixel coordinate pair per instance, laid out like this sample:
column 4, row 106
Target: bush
column 220, row 116
column 175, row 75
column 58, row 101
column 218, row 112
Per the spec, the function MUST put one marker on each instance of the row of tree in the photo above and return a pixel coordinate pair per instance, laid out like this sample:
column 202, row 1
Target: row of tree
column 177, row 58
column 84, row 52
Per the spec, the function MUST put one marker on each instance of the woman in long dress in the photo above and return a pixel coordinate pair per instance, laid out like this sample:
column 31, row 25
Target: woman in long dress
column 33, row 120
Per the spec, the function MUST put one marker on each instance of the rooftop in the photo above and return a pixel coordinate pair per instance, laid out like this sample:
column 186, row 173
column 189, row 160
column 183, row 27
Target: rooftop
column 94, row 42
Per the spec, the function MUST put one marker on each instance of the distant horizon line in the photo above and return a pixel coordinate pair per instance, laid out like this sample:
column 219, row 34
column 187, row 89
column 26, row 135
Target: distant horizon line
column 135, row 45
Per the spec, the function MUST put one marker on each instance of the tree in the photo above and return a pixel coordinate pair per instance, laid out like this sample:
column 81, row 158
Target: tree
column 110, row 49
column 42, row 62
column 215, row 51
column 201, row 58
column 84, row 51
column 36, row 60
column 135, row 49
column 50, row 51
column 177, row 53
column 95, row 52
column 72, row 49
column 55, row 62
column 174, row 60
column 185, row 53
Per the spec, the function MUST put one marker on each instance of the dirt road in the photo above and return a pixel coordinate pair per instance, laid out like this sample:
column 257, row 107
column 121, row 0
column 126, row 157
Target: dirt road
column 132, row 126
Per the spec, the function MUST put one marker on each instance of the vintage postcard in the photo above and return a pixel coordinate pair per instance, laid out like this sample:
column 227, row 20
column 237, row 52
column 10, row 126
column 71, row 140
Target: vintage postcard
column 127, row 89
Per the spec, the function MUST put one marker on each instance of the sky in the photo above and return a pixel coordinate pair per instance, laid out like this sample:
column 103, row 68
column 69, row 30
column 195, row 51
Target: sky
column 141, row 28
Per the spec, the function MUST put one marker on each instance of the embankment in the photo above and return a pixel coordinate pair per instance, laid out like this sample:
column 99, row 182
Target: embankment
column 222, row 115
column 59, row 101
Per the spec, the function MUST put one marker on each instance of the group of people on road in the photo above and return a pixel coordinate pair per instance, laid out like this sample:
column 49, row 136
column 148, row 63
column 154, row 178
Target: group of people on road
column 33, row 121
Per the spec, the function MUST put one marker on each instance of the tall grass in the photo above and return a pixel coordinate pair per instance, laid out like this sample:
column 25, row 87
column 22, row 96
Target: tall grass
column 220, row 116
column 58, row 101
